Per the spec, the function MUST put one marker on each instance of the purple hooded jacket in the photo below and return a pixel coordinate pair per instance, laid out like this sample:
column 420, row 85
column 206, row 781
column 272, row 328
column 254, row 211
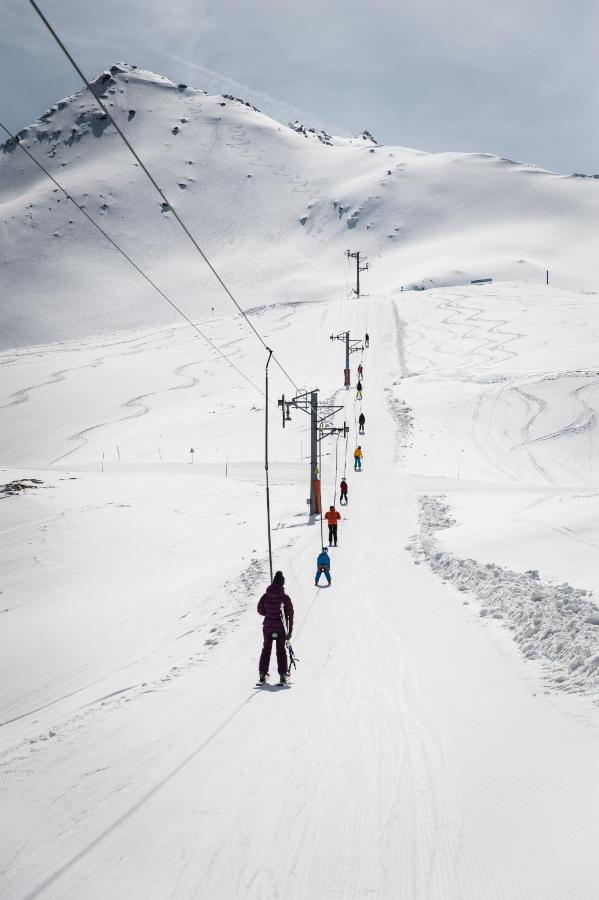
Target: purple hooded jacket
column 273, row 604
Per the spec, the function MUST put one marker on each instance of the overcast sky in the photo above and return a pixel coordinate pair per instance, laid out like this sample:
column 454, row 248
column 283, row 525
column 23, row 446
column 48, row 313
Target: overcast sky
column 519, row 78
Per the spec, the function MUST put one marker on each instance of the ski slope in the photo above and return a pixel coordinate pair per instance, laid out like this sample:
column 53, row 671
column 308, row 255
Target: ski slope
column 439, row 738
column 418, row 752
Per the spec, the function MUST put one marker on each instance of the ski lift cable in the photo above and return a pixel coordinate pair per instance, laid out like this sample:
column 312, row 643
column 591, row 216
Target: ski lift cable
column 151, row 178
column 129, row 259
column 176, row 308
column 179, row 311
column 346, row 448
column 320, row 492
column 335, row 490
column 266, row 463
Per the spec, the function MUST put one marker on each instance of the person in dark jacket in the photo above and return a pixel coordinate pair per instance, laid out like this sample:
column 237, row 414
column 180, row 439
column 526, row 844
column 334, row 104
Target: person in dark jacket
column 277, row 609
column 361, row 422
column 343, row 492
column 323, row 566
column 359, row 390
column 367, row 340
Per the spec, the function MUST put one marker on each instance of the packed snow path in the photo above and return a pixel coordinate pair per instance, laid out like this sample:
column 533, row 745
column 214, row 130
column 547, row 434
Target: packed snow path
column 415, row 755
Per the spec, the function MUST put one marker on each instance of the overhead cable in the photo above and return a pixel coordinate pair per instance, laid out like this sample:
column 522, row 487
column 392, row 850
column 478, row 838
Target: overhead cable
column 128, row 258
column 160, row 191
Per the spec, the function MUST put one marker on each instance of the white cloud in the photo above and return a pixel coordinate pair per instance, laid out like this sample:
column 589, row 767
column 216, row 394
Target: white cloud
column 215, row 82
column 517, row 77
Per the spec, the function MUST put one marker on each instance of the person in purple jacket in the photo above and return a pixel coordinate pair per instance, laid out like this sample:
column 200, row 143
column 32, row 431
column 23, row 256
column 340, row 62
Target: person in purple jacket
column 277, row 609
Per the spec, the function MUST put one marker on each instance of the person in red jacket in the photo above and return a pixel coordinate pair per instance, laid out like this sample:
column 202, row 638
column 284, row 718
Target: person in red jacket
column 332, row 517
column 277, row 609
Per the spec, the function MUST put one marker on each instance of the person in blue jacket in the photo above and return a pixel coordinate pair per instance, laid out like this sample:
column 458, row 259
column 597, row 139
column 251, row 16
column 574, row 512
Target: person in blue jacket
column 323, row 565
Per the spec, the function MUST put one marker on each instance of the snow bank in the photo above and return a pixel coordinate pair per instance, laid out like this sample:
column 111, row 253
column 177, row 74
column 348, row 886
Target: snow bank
column 553, row 623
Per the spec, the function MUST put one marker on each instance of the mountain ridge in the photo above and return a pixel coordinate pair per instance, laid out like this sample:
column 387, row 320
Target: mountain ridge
column 274, row 206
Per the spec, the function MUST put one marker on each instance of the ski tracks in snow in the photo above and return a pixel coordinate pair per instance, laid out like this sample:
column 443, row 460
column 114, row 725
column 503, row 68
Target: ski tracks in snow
column 580, row 414
column 137, row 404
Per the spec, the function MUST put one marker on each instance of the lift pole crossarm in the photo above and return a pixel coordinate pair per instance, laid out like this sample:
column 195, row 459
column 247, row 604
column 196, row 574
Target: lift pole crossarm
column 332, row 410
column 300, row 399
column 332, row 430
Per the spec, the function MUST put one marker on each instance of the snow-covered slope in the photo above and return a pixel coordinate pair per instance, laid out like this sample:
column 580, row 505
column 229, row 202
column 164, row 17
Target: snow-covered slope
column 420, row 751
column 275, row 207
column 439, row 739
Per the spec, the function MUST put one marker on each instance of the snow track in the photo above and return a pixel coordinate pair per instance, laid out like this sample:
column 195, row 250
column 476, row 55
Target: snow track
column 416, row 754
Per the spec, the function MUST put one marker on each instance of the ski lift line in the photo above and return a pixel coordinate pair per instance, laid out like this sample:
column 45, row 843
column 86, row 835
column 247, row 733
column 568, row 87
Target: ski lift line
column 129, row 260
column 268, row 527
column 335, row 490
column 346, row 447
column 320, row 504
column 160, row 191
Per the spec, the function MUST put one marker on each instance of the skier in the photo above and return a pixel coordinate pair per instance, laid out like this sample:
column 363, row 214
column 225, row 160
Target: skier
column 366, row 339
column 361, row 422
column 332, row 518
column 277, row 609
column 323, row 565
column 360, row 370
column 358, row 455
column 343, row 492
column 359, row 390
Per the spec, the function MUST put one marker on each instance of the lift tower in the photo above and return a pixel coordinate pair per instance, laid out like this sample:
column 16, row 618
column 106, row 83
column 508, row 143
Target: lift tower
column 351, row 346
column 319, row 413
column 359, row 268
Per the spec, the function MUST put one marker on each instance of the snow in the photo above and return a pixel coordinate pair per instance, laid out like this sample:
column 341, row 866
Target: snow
column 436, row 220
column 439, row 738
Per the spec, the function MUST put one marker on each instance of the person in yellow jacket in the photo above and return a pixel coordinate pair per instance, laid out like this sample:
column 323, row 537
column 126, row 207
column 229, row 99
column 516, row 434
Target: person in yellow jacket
column 358, row 459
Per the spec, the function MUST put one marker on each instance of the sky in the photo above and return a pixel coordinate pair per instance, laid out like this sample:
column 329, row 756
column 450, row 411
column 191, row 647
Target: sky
column 519, row 78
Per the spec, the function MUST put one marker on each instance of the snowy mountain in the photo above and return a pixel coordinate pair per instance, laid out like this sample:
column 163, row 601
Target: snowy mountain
column 439, row 736
column 275, row 208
